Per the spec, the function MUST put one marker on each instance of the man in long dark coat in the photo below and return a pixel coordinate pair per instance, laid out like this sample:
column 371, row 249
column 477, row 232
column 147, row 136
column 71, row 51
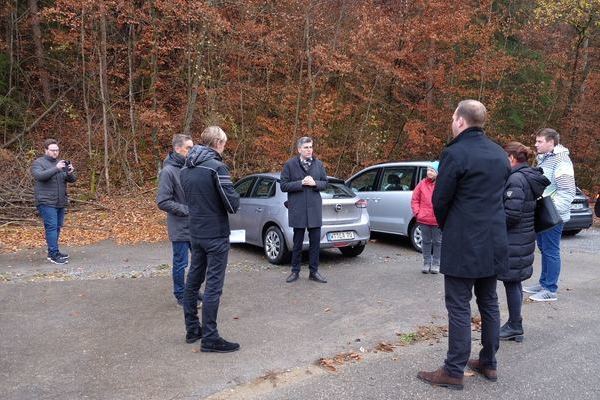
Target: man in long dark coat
column 303, row 177
column 468, row 205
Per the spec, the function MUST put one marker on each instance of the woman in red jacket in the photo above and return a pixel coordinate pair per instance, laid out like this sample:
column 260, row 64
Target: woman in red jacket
column 423, row 210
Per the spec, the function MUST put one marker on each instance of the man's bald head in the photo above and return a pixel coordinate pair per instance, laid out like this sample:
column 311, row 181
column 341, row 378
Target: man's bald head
column 473, row 112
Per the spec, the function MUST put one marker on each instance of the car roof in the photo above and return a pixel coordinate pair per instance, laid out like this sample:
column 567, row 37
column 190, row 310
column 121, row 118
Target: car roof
column 277, row 176
column 423, row 163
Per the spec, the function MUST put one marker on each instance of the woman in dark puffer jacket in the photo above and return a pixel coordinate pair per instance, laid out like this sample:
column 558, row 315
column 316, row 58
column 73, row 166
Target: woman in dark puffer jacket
column 524, row 185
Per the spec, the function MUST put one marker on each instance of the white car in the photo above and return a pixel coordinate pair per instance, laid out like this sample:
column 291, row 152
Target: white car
column 388, row 190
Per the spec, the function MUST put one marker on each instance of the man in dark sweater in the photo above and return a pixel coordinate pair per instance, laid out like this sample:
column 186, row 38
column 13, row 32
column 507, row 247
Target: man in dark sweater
column 170, row 198
column 468, row 205
column 210, row 196
column 51, row 177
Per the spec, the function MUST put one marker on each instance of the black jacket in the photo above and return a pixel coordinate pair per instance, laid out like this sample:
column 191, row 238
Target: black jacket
column 467, row 202
column 50, row 186
column 209, row 193
column 171, row 199
column 524, row 186
column 305, row 206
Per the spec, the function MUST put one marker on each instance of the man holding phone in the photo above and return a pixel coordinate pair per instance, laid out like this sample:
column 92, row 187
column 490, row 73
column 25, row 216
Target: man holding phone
column 51, row 177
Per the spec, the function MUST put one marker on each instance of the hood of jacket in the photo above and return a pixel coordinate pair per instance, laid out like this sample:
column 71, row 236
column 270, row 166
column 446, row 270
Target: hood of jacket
column 174, row 159
column 535, row 177
column 199, row 154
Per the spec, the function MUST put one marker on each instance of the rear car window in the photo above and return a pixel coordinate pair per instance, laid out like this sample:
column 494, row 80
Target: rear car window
column 336, row 191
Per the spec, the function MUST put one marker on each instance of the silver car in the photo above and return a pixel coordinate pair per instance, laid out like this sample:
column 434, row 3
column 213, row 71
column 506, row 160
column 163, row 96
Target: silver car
column 388, row 190
column 264, row 216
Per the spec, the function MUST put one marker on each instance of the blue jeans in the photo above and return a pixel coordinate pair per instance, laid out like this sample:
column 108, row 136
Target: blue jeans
column 549, row 245
column 180, row 262
column 53, row 220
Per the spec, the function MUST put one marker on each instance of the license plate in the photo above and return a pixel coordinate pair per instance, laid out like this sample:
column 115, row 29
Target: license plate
column 576, row 206
column 332, row 236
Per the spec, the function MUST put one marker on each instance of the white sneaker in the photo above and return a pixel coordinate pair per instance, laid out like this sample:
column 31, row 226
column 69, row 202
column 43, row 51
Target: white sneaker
column 533, row 289
column 544, row 295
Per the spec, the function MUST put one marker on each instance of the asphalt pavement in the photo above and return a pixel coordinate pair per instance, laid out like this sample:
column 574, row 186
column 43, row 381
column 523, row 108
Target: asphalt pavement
column 106, row 326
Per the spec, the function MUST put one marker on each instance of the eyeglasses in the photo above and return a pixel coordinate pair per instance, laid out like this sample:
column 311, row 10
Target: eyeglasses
column 52, row 149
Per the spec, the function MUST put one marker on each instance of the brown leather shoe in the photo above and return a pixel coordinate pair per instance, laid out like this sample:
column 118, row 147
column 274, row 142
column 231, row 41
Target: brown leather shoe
column 441, row 378
column 488, row 373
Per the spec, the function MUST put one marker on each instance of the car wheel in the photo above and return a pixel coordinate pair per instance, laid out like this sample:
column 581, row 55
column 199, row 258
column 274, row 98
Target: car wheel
column 571, row 233
column 274, row 246
column 352, row 251
column 416, row 239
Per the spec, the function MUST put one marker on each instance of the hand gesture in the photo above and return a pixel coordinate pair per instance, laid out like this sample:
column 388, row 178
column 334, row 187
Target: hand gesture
column 309, row 181
column 61, row 165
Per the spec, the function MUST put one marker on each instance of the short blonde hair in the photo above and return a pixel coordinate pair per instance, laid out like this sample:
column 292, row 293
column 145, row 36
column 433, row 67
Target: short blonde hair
column 212, row 135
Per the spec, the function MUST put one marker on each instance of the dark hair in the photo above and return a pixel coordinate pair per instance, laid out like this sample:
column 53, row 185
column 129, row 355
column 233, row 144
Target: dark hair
column 473, row 112
column 180, row 139
column 48, row 142
column 549, row 133
column 303, row 140
column 519, row 151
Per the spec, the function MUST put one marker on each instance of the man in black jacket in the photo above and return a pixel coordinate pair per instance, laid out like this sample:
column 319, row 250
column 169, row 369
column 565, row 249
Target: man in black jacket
column 468, row 205
column 170, row 198
column 303, row 177
column 51, row 177
column 210, row 196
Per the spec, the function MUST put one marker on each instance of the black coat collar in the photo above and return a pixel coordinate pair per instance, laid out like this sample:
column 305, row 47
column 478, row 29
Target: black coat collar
column 471, row 132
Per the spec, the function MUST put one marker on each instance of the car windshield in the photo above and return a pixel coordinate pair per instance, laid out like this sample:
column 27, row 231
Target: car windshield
column 336, row 191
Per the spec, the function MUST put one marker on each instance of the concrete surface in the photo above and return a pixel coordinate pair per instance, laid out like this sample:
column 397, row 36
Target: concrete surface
column 107, row 327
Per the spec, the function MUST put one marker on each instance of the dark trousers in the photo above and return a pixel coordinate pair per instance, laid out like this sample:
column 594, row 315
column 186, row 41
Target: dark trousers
column 209, row 260
column 314, row 240
column 458, row 296
column 514, row 298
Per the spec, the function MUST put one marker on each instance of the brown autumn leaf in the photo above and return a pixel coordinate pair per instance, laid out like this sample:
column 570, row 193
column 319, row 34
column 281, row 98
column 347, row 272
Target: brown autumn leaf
column 385, row 347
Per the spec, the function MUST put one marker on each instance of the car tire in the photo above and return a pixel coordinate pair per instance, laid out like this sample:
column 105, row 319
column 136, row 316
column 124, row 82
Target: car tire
column 352, row 251
column 571, row 233
column 274, row 246
column 414, row 234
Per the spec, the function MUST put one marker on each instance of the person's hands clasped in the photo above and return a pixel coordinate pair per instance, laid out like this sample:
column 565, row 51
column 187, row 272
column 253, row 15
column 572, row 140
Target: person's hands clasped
column 309, row 181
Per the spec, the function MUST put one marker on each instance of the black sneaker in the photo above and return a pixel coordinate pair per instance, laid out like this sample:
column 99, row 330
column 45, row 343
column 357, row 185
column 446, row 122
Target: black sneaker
column 219, row 346
column 194, row 336
column 56, row 259
column 63, row 255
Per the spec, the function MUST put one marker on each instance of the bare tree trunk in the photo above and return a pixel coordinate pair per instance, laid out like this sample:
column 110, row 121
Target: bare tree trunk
column 298, row 96
column 573, row 90
column 309, row 73
column 194, row 85
column 39, row 50
column 86, row 107
column 153, row 79
column 131, row 96
column 104, row 93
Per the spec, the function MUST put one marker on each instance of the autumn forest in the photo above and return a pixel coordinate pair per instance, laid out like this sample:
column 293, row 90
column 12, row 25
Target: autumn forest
column 372, row 81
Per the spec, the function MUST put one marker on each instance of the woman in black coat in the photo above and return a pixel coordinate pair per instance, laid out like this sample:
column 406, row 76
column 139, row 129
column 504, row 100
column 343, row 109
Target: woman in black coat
column 524, row 185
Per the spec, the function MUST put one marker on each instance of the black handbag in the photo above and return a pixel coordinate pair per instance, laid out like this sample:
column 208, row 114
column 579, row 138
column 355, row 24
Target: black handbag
column 546, row 215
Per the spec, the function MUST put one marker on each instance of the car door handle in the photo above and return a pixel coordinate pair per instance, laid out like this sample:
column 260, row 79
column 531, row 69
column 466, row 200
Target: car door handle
column 259, row 209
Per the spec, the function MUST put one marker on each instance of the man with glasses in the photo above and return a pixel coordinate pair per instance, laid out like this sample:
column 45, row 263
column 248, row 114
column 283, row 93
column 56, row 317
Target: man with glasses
column 51, row 177
column 303, row 177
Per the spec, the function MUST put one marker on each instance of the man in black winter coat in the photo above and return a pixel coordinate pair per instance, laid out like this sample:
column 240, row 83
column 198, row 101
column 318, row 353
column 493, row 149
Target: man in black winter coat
column 467, row 202
column 303, row 178
column 51, row 177
column 210, row 196
column 170, row 198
